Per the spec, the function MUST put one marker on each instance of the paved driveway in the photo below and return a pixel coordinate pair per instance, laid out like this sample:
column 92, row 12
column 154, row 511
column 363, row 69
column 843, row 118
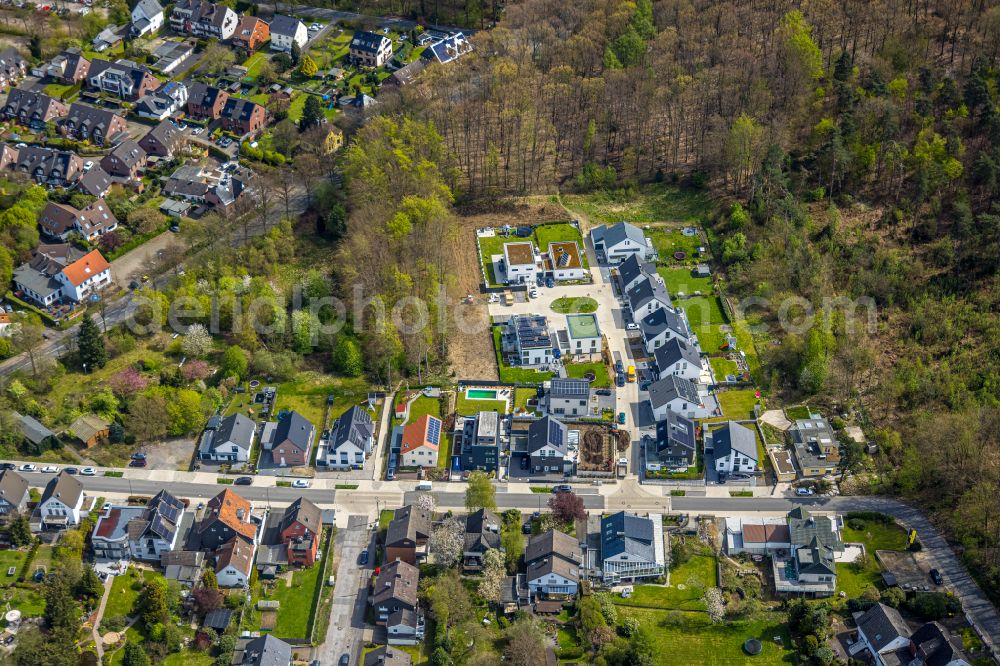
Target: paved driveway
column 347, row 617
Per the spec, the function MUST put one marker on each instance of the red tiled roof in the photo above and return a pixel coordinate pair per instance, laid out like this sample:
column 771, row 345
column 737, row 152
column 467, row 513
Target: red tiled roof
column 109, row 523
column 765, row 534
column 415, row 435
column 225, row 507
column 86, row 267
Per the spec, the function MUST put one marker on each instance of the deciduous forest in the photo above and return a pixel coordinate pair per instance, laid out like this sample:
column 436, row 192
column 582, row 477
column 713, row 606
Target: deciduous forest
column 852, row 149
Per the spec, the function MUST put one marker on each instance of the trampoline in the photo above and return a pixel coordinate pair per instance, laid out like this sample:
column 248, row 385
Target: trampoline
column 752, row 647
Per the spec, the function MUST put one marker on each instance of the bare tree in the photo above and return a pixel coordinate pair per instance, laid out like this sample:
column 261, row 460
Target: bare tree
column 28, row 335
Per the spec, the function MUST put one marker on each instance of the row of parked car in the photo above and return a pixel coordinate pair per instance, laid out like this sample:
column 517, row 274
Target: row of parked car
column 49, row 469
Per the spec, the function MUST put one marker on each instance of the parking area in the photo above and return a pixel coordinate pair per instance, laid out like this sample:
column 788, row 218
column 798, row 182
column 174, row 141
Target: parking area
column 172, row 454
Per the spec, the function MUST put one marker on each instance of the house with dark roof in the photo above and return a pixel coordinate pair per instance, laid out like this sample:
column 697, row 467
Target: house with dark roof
column 290, row 440
column 406, row 74
column 809, row 567
column 211, row 187
column 617, row 242
column 285, row 31
column 234, row 563
column 552, row 563
column 632, row 270
column 352, row 439
column 32, row 109
column 680, row 358
column 243, row 117
column 394, row 590
column 57, row 221
column 33, row 431
column 264, row 650
column 124, row 79
column 300, row 530
column 482, row 532
column 69, row 67
column 147, row 18
column 218, row 619
column 883, row 632
column 127, row 161
column 166, row 102
column 370, row 49
column 445, row 50
column 203, row 19
column 206, row 102
column 676, row 394
column 13, row 67
column 109, row 538
column 227, row 515
column 61, row 504
column 156, row 531
column 95, row 181
column 674, row 444
column 548, row 444
column 734, row 448
column 387, row 656
column 648, row 295
column 420, row 442
column 184, row 566
column 568, row 396
column 816, row 446
column 163, row 140
column 407, row 534
column 478, row 440
column 54, row 168
column 526, row 337
column 227, row 440
column 13, row 493
column 631, row 547
column 664, row 324
column 250, row 33
column 88, row 123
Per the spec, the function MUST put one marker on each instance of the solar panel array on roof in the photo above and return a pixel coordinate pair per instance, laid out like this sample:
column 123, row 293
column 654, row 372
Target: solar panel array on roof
column 169, row 512
column 555, row 431
column 434, row 431
column 564, row 259
column 162, row 528
column 532, row 333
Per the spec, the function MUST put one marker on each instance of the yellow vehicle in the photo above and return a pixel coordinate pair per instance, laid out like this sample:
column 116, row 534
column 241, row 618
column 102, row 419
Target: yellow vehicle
column 631, row 374
column 508, row 298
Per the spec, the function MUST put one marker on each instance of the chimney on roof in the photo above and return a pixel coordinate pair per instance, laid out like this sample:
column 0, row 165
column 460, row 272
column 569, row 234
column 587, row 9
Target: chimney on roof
column 239, row 513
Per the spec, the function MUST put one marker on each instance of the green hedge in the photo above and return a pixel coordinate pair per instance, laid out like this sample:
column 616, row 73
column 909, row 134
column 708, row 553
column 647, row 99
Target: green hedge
column 318, row 592
column 871, row 516
column 28, row 306
column 27, row 562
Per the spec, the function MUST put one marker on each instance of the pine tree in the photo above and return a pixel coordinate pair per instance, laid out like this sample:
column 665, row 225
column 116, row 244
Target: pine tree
column 312, row 113
column 91, row 343
column 135, row 655
column 296, row 53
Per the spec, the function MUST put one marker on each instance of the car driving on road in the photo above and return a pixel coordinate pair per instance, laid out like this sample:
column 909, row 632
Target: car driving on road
column 88, row 471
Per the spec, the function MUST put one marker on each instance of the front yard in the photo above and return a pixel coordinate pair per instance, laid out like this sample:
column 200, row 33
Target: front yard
column 852, row 579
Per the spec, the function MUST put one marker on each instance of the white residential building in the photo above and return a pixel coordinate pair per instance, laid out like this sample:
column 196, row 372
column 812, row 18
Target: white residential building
column 519, row 263
column 527, row 336
column 582, row 335
column 352, row 440
column 676, row 394
column 679, row 358
column 620, row 241
column 734, row 447
column 147, row 18
column 286, row 31
column 421, row 441
column 62, row 502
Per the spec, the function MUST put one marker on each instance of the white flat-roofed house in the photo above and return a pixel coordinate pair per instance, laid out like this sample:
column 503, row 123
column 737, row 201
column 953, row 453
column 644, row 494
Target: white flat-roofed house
column 519, row 263
column 527, row 337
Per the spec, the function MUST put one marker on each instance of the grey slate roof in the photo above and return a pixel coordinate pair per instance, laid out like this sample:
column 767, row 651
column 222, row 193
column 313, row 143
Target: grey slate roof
column 32, row 429
column 803, row 527
column 936, row 646
column 265, row 651
column 218, row 619
column 167, row 135
column 397, row 580
column 235, row 428
column 650, row 289
column 734, row 437
column 882, row 625
column 13, row 487
column 284, row 25
column 408, row 522
column 66, row 488
column 482, row 531
column 676, row 350
column 553, row 544
column 355, row 426
column 295, row 429
column 664, row 319
column 627, row 533
column 630, row 269
column 617, row 233
column 387, row 655
column 149, row 8
column 95, row 182
column 365, row 41
column 569, row 388
column 674, row 437
column 548, row 431
column 305, row 512
column 815, row 558
column 670, row 387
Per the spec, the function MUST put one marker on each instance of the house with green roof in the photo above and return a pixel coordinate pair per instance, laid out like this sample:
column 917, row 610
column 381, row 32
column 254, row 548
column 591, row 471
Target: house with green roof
column 581, row 336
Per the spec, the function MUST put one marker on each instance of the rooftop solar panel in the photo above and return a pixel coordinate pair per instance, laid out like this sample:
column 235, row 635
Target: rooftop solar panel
column 169, row 512
column 434, row 431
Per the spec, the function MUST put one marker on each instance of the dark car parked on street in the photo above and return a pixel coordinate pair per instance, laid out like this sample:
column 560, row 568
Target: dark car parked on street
column 244, row 481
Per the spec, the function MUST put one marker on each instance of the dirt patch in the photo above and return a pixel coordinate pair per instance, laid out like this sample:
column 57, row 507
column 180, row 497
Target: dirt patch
column 596, row 447
column 172, row 454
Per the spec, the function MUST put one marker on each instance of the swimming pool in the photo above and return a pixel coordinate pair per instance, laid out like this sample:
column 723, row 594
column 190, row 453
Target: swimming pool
column 480, row 394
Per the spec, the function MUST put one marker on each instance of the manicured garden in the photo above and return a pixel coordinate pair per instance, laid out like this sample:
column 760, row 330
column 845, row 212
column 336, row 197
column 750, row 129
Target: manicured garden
column 522, row 395
column 8, row 559
column 685, row 592
column 464, row 406
column 422, row 406
column 598, row 369
column 875, row 535
column 511, row 375
column 546, row 234
column 706, row 318
column 668, row 240
column 737, row 405
column 681, row 280
column 722, row 367
column 568, row 305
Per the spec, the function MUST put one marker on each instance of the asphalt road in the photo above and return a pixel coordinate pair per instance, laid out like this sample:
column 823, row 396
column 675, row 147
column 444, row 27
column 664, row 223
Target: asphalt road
column 331, row 15
column 345, row 633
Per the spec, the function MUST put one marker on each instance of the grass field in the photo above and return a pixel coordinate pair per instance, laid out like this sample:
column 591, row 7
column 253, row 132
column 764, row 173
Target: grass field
column 522, row 395
column 296, row 601
column 680, row 280
column 8, row 559
column 852, row 579
column 307, row 395
column 687, row 587
column 647, row 204
column 254, row 63
column 489, row 246
column 578, row 370
column 424, row 405
column 689, row 639
column 511, row 375
column 667, row 241
column 125, row 592
column 706, row 317
column 797, row 412
column 737, row 405
column 30, row 602
column 554, row 233
column 722, row 367
column 581, row 305
column 296, row 106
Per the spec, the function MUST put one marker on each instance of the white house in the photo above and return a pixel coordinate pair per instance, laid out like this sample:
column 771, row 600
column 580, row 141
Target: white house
column 548, row 444
column 147, row 18
column 631, row 547
column 582, row 335
column 234, row 562
column 286, row 31
column 632, row 270
column 888, row 639
column 165, row 103
column 569, row 397
column 519, row 263
column 62, row 502
column 647, row 295
column 421, row 442
column 552, row 565
column 109, row 538
column 227, row 440
column 351, row 441
column 735, row 448
column 563, row 261
column 528, row 336
column 156, row 530
column 679, row 358
column 676, row 394
column 665, row 324
column 620, row 241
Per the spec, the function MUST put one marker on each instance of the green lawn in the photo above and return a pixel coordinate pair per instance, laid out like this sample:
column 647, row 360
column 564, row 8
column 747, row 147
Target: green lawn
column 296, row 602
column 57, row 90
column 554, row 233
column 522, row 395
column 581, row 305
column 491, row 245
column 578, row 370
column 647, row 204
column 737, row 405
column 30, row 602
column 852, row 579
column 424, row 405
column 689, row 639
column 295, row 108
column 706, row 318
column 467, row 407
column 125, row 592
column 797, row 412
column 8, row 559
column 307, row 395
column 254, row 63
column 722, row 367
column 687, row 587
column 668, row 240
column 511, row 375
column 680, row 280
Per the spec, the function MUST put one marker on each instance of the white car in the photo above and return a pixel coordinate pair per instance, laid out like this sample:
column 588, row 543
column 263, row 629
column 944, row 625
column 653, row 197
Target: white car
column 88, row 165
column 632, row 326
column 50, row 469
column 300, row 483
column 107, row 505
column 28, row 468
column 804, row 491
column 88, row 471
